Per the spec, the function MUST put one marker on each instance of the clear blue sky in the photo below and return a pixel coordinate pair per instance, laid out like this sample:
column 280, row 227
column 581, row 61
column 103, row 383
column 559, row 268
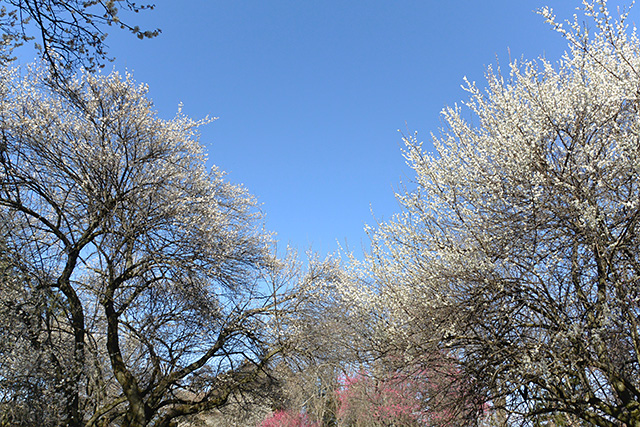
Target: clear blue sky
column 310, row 94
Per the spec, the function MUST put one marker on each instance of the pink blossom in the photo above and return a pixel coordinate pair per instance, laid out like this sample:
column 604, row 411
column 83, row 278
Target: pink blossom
column 287, row 419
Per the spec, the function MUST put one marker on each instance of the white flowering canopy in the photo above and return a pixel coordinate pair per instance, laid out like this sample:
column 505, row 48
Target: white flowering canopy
column 518, row 251
column 151, row 264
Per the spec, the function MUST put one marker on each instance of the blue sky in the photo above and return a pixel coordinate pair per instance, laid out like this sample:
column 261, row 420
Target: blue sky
column 310, row 94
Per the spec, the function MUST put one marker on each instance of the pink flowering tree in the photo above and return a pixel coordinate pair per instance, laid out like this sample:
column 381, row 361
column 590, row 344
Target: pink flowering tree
column 430, row 395
column 288, row 418
column 365, row 401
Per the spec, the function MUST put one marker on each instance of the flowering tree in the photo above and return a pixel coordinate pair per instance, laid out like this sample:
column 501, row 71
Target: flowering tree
column 365, row 401
column 425, row 396
column 406, row 394
column 518, row 250
column 287, row 419
column 139, row 276
column 69, row 33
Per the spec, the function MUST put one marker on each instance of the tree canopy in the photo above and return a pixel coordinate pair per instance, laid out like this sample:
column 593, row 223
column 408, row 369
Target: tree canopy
column 139, row 286
column 67, row 33
column 517, row 251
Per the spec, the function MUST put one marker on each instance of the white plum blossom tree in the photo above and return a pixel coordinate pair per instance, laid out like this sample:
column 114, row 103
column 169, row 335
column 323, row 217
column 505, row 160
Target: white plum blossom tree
column 518, row 250
column 69, row 34
column 147, row 270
